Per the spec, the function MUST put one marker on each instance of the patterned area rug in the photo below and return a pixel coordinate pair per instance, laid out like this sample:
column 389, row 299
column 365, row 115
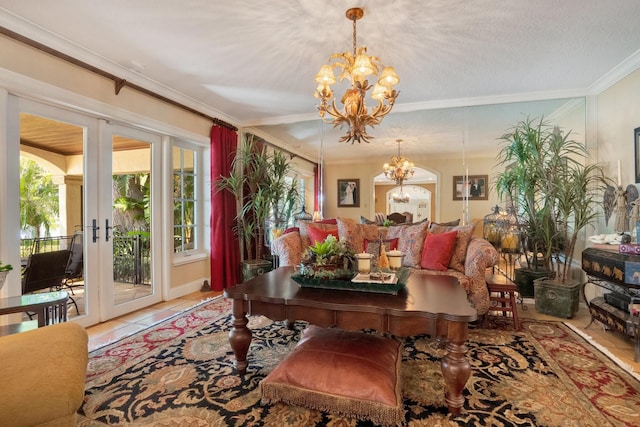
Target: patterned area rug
column 180, row 373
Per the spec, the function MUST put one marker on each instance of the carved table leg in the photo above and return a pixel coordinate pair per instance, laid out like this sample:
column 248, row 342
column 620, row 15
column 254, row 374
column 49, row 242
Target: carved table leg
column 456, row 369
column 240, row 337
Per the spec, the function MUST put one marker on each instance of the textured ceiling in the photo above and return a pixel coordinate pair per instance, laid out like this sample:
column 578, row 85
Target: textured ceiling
column 252, row 63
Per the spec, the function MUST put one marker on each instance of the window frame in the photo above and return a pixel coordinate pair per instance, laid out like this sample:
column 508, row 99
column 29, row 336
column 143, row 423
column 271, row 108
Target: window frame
column 198, row 252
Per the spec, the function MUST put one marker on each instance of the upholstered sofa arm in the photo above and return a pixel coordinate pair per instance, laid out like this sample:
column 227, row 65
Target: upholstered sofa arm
column 288, row 248
column 480, row 255
column 43, row 375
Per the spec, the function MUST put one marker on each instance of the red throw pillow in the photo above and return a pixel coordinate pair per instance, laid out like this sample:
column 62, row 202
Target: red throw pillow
column 437, row 250
column 318, row 235
column 291, row 230
column 326, row 221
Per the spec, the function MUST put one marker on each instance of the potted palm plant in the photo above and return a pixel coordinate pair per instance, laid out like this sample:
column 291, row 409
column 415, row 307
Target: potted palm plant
column 554, row 186
column 261, row 181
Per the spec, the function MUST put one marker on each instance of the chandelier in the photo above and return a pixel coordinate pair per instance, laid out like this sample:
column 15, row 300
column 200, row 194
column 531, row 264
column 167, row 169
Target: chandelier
column 400, row 168
column 400, row 197
column 356, row 67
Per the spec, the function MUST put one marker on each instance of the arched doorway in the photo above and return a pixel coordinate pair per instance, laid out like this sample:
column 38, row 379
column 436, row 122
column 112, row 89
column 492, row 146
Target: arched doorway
column 414, row 199
column 421, row 189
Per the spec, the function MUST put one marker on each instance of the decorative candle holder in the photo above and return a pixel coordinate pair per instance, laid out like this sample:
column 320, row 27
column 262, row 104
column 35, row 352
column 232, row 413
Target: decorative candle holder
column 395, row 259
column 364, row 262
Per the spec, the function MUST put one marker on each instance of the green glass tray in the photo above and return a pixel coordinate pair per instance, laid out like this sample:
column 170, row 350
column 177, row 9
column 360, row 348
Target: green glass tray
column 348, row 285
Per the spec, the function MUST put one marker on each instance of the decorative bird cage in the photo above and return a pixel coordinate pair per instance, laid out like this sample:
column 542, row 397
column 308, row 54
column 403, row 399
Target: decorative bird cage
column 491, row 229
column 509, row 231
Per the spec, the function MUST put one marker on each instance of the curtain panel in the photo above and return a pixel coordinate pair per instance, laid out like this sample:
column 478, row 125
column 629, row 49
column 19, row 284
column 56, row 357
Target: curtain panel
column 225, row 253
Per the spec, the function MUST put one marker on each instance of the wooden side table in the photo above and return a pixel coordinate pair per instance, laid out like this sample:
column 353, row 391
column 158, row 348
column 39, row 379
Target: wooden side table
column 502, row 291
column 49, row 307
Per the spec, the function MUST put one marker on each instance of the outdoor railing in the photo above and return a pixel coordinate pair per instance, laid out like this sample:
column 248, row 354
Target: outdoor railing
column 131, row 255
column 132, row 259
column 44, row 244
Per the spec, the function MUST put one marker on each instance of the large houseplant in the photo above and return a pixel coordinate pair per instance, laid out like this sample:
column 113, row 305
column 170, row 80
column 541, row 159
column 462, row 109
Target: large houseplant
column 261, row 180
column 548, row 176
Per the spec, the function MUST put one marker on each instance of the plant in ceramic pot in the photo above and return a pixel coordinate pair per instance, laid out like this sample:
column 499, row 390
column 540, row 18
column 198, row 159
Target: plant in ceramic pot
column 549, row 177
column 261, row 181
column 330, row 259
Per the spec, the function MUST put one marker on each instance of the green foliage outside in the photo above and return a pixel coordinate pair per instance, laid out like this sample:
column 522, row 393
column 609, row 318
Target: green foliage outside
column 39, row 206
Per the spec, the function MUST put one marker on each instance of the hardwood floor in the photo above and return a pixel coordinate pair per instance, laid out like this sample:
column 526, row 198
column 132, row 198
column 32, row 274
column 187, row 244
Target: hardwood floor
column 110, row 331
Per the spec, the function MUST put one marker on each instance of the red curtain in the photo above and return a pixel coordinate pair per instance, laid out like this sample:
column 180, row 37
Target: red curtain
column 225, row 253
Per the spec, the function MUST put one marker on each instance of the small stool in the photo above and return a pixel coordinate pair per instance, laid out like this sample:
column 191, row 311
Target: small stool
column 502, row 291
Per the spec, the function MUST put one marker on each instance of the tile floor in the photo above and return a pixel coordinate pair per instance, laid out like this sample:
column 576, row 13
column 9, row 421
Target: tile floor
column 120, row 327
column 104, row 333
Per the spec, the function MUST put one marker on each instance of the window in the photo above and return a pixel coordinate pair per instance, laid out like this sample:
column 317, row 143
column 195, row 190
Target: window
column 185, row 200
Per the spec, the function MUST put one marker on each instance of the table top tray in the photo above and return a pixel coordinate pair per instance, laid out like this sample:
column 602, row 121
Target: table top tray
column 392, row 288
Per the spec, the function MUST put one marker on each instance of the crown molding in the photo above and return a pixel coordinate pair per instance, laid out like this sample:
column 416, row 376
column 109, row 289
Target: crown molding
column 438, row 104
column 622, row 70
column 36, row 90
column 30, row 30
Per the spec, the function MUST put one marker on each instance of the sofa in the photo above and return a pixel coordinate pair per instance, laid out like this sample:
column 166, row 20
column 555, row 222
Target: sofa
column 43, row 375
column 421, row 244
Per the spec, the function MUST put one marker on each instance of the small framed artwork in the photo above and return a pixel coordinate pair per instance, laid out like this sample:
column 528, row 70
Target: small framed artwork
column 348, row 193
column 636, row 144
column 476, row 188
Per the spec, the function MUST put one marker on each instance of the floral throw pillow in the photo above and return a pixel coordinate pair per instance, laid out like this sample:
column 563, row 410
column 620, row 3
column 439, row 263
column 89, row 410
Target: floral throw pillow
column 373, row 247
column 410, row 241
column 462, row 241
column 354, row 234
column 288, row 249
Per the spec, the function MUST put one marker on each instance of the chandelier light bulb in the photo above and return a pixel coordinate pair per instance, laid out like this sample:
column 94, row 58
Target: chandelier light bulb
column 378, row 92
column 389, row 77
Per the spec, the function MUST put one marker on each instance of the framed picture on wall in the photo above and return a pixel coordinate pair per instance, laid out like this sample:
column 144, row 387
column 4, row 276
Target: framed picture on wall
column 349, row 193
column 476, row 188
column 636, row 144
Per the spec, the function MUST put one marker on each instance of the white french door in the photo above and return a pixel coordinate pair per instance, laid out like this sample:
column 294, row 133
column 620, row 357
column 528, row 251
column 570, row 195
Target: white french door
column 129, row 231
column 120, row 238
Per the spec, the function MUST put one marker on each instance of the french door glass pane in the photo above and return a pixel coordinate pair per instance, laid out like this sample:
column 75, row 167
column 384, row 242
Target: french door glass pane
column 131, row 195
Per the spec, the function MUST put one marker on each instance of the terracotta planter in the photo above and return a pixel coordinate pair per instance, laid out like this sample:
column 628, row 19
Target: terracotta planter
column 556, row 299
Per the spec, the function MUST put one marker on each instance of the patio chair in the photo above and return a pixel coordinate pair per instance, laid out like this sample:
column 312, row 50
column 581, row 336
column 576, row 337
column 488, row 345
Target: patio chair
column 45, row 270
column 75, row 268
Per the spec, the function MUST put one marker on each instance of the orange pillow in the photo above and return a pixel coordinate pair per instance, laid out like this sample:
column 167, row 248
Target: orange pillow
column 437, row 250
column 318, row 235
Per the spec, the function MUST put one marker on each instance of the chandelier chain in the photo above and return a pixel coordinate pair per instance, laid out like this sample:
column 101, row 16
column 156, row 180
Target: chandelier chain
column 354, row 37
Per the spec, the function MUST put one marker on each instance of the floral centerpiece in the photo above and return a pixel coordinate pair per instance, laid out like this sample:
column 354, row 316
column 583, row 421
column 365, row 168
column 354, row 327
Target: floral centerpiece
column 330, row 259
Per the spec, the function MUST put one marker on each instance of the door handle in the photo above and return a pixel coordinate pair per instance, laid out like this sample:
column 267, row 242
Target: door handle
column 107, row 228
column 94, row 229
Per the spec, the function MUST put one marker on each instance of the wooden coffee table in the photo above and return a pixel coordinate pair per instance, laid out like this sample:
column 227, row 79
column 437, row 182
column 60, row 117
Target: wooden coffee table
column 433, row 305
